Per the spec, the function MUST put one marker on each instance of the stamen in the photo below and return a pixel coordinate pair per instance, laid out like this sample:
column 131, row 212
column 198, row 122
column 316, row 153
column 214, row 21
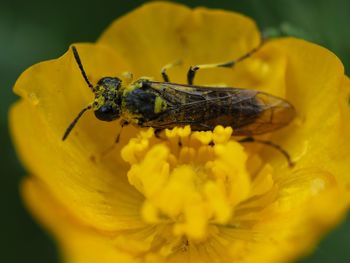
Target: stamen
column 191, row 187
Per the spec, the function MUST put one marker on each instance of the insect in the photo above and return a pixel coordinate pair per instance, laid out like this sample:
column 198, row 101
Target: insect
column 162, row 105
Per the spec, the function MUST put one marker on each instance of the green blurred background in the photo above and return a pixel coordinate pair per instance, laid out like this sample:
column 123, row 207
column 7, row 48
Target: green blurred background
column 32, row 31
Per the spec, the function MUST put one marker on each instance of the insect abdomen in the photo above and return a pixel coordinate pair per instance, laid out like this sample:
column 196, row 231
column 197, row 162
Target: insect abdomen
column 248, row 112
column 228, row 110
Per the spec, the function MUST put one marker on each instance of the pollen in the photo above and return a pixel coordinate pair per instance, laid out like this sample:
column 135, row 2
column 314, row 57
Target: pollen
column 159, row 105
column 188, row 182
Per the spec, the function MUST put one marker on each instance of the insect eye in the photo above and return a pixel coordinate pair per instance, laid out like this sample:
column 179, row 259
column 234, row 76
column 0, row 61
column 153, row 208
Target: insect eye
column 107, row 113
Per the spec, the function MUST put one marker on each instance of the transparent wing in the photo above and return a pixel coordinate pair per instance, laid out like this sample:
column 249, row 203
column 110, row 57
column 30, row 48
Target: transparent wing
column 248, row 112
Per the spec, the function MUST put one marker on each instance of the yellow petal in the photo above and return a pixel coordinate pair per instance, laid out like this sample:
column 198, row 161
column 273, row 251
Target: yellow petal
column 286, row 227
column 314, row 79
column 58, row 92
column 145, row 37
column 78, row 243
column 53, row 92
column 89, row 189
column 160, row 33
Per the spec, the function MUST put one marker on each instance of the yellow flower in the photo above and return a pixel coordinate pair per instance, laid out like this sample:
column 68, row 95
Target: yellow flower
column 179, row 199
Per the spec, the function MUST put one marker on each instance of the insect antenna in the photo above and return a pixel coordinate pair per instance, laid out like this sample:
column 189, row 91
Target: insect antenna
column 71, row 126
column 78, row 60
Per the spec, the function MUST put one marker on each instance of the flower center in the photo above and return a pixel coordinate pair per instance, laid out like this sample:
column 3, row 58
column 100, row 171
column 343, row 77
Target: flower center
column 189, row 180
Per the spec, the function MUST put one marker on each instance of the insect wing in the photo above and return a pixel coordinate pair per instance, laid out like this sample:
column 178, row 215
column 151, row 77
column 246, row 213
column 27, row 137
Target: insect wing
column 248, row 112
column 275, row 113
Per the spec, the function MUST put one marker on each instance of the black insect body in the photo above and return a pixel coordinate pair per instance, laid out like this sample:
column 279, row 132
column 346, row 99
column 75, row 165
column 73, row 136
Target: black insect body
column 162, row 105
column 248, row 112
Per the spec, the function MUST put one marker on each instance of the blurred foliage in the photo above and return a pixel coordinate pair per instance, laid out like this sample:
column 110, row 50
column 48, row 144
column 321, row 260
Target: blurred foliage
column 32, row 31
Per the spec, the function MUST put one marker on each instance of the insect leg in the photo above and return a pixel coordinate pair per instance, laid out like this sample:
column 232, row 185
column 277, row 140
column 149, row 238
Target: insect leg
column 127, row 77
column 229, row 64
column 123, row 123
column 271, row 144
column 157, row 132
column 157, row 135
column 168, row 66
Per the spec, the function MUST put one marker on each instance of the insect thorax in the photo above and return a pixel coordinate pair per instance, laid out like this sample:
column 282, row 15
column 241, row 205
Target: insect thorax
column 141, row 103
